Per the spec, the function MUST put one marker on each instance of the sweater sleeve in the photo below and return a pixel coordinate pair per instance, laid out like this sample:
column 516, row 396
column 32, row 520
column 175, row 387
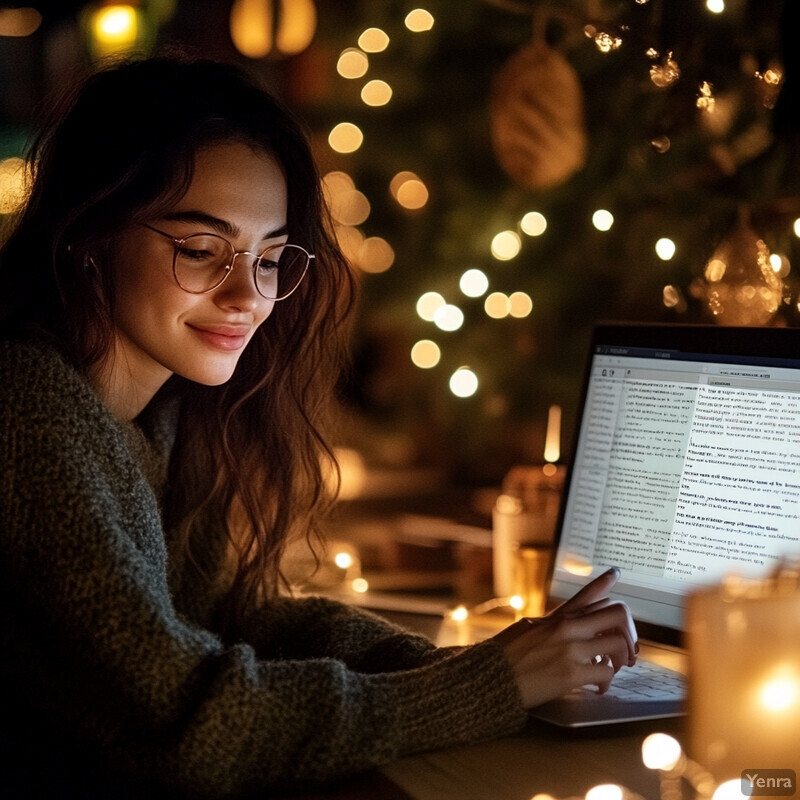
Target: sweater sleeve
column 94, row 640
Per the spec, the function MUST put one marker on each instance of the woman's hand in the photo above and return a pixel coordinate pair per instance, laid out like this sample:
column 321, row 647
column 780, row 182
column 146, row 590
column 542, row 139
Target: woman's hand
column 584, row 641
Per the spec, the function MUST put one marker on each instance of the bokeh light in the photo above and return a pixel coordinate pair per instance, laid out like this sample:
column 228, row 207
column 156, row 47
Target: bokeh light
column 425, row 354
column 373, row 40
column 602, row 219
column 419, row 20
column 533, row 223
column 353, row 63
column 13, row 176
column 665, row 249
column 497, row 305
column 376, row 93
column 474, row 283
column 345, row 138
column 463, row 382
column 428, row 304
column 375, row 255
column 448, row 317
column 520, row 305
column 506, row 245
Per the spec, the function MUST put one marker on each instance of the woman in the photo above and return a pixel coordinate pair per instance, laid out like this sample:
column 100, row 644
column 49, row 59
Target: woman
column 171, row 325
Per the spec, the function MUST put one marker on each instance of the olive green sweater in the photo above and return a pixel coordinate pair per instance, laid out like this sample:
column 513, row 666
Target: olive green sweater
column 110, row 677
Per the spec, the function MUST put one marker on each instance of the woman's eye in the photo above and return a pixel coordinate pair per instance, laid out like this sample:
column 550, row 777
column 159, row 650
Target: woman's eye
column 267, row 267
column 195, row 255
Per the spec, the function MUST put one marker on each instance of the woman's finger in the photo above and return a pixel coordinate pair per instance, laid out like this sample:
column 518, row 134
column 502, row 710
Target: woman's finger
column 593, row 591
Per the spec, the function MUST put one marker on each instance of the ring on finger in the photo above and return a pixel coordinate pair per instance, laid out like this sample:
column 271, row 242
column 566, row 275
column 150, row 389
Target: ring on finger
column 598, row 659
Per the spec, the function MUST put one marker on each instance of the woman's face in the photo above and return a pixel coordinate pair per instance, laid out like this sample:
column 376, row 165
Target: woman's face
column 235, row 192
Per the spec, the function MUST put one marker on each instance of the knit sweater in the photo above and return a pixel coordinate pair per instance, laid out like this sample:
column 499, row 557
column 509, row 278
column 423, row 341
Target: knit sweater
column 109, row 672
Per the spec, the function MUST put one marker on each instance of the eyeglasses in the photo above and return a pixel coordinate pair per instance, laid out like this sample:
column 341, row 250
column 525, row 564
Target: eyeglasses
column 201, row 263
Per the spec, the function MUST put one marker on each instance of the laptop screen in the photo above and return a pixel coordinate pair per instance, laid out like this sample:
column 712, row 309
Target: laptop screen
column 686, row 464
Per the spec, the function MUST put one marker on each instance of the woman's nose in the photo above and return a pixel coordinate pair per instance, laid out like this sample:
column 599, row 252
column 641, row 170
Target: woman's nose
column 239, row 288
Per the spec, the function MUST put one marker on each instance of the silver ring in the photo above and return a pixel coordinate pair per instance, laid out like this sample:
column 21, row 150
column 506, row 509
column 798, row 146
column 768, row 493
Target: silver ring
column 598, row 659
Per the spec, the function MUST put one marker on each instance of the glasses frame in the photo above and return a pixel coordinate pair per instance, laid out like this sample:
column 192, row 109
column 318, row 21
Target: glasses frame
column 178, row 242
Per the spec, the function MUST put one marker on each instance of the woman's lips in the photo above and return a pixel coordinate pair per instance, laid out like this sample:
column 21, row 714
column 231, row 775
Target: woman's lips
column 222, row 337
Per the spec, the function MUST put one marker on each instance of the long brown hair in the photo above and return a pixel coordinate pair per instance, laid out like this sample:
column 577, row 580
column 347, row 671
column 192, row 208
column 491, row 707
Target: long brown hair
column 119, row 150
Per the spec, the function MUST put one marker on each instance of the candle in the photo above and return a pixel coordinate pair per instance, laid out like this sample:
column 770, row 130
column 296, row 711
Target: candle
column 744, row 700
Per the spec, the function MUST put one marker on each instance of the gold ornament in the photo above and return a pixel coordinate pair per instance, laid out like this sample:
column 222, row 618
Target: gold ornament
column 537, row 123
column 741, row 286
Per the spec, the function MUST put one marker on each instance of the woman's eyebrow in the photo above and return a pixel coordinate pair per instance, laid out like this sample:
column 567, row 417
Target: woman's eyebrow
column 217, row 224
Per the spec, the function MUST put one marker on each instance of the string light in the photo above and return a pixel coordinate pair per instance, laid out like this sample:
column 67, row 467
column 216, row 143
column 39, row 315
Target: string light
column 474, row 283
column 375, row 255
column 373, row 40
column 533, row 223
column 665, row 249
column 376, row 93
column 419, row 20
column 497, row 305
column 425, row 354
column 448, row 317
column 353, row 63
column 428, row 304
column 602, row 219
column 463, row 382
column 345, row 138
column 506, row 245
column 520, row 305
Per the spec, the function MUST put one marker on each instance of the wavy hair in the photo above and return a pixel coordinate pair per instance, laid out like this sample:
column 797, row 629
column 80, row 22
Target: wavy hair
column 117, row 151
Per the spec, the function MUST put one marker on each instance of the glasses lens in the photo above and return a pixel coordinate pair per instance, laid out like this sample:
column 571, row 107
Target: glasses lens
column 201, row 261
column 279, row 270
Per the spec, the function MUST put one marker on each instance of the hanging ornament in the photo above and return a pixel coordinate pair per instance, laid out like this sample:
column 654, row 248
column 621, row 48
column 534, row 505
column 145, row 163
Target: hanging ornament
column 768, row 85
column 741, row 285
column 537, row 123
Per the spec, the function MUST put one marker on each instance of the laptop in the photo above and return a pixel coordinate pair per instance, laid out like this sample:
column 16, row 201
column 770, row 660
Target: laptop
column 685, row 469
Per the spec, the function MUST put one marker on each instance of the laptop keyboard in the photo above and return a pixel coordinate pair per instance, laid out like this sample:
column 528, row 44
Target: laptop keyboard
column 647, row 681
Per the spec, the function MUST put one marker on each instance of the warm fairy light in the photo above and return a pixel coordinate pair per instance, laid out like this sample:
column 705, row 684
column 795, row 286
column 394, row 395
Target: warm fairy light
column 605, row 791
column 533, row 223
column 399, row 179
column 577, row 565
column 349, row 207
column 796, row 227
column 425, row 354
column 19, row 21
column 419, row 20
column 474, row 283
column 602, row 219
column 775, row 262
column 335, row 182
column 375, row 255
column 497, row 305
column 715, row 6
column 352, row 63
column 552, row 442
column 428, row 304
column 459, row 614
column 730, row 790
column 506, row 245
column 661, row 144
column 549, row 469
column 360, row 585
column 665, row 249
column 670, row 296
column 345, row 138
column 412, row 194
column 252, row 28
column 343, row 560
column 463, row 382
column 373, row 40
column 715, row 270
column 661, row 751
column 376, row 93
column 606, row 42
column 115, row 25
column 520, row 305
column 705, row 97
column 298, row 23
column 516, row 602
column 12, row 184
column 781, row 691
column 352, row 473
column 350, row 240
column 448, row 317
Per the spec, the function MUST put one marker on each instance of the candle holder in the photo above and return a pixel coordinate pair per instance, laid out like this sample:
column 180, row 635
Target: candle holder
column 744, row 690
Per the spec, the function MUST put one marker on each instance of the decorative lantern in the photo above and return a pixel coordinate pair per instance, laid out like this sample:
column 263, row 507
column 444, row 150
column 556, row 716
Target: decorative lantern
column 283, row 27
column 741, row 285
